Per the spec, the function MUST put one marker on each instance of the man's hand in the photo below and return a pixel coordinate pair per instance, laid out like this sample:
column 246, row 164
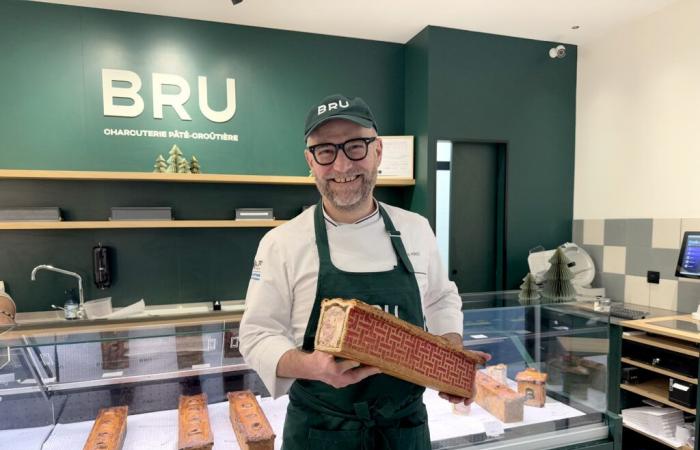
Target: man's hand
column 342, row 373
column 320, row 366
column 456, row 340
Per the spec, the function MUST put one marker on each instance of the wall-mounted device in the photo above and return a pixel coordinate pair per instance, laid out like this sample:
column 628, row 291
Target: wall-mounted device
column 100, row 266
column 653, row 276
column 557, row 52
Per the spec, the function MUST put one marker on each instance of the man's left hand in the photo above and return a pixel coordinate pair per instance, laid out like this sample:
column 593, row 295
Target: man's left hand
column 456, row 340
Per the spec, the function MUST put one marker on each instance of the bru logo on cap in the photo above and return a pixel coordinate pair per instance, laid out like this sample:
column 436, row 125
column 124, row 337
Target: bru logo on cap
column 331, row 106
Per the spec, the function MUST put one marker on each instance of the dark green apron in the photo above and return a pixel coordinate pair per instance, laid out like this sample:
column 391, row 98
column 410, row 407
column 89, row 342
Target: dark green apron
column 380, row 412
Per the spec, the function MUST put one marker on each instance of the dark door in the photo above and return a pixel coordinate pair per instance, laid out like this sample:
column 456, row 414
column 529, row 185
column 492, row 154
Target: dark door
column 477, row 205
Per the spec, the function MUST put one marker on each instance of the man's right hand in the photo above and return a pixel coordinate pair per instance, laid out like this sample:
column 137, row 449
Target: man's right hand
column 342, row 373
column 320, row 366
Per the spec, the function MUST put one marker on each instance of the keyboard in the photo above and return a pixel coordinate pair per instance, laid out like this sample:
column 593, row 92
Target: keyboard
column 627, row 313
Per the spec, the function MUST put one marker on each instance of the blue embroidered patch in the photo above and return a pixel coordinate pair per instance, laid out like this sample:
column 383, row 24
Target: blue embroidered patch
column 256, row 275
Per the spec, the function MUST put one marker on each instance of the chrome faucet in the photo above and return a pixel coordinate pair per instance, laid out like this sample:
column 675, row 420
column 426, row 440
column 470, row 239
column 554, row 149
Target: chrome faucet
column 81, row 308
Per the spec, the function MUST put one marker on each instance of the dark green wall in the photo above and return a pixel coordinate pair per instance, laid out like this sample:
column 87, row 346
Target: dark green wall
column 487, row 88
column 160, row 265
column 52, row 115
column 51, row 118
column 444, row 84
column 417, row 119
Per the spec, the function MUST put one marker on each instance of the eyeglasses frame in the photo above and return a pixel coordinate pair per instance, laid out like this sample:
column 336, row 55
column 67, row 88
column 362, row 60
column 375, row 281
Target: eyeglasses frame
column 338, row 147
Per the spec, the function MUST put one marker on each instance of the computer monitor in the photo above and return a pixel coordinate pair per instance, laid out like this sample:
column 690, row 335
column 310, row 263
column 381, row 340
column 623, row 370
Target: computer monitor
column 689, row 258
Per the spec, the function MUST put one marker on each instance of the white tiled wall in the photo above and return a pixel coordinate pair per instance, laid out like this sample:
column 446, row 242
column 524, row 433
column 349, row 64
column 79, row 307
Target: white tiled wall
column 614, row 258
column 664, row 294
column 689, row 225
column 665, row 233
column 593, row 232
column 636, row 290
column 654, row 240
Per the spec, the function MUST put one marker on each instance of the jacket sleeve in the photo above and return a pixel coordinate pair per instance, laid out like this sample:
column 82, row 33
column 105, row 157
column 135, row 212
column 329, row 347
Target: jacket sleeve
column 265, row 331
column 442, row 304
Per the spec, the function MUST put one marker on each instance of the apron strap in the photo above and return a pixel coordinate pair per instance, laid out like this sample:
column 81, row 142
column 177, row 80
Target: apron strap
column 395, row 239
column 369, row 429
column 361, row 411
column 324, row 254
column 324, row 257
column 362, row 414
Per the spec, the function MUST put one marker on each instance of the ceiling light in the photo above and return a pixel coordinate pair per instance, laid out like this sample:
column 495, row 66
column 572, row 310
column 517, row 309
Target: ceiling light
column 235, row 2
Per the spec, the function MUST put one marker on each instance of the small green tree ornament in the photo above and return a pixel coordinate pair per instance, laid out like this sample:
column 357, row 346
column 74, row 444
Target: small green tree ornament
column 194, row 165
column 558, row 287
column 174, row 161
column 529, row 292
column 160, row 166
column 183, row 166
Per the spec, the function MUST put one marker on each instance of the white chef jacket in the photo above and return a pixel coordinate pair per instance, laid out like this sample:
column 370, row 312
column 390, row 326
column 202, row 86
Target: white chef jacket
column 282, row 286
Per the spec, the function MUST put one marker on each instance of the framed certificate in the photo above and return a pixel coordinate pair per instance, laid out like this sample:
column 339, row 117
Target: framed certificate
column 397, row 157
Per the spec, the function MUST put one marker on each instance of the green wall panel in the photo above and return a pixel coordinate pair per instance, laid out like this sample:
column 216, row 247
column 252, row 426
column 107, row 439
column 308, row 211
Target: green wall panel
column 160, row 265
column 443, row 84
column 52, row 118
column 417, row 58
column 487, row 88
column 52, row 79
column 41, row 86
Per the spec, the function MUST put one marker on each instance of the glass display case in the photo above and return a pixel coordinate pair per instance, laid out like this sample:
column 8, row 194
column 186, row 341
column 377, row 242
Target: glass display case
column 55, row 378
column 567, row 342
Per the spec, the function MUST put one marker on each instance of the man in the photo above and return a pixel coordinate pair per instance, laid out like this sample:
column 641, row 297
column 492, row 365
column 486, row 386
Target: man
column 342, row 248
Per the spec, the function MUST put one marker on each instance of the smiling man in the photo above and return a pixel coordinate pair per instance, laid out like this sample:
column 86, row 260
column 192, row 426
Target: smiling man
column 349, row 246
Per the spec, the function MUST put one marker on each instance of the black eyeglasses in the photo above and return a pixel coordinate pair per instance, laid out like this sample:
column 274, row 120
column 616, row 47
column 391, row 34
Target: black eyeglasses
column 354, row 149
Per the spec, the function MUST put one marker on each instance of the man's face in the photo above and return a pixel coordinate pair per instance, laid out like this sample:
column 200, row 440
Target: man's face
column 345, row 184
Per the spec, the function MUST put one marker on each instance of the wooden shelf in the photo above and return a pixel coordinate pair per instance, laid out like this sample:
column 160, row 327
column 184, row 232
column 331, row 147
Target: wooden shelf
column 651, row 368
column 659, row 336
column 655, row 326
column 656, row 390
column 116, row 224
column 10, row 174
column 73, row 327
column 665, row 343
column 651, row 436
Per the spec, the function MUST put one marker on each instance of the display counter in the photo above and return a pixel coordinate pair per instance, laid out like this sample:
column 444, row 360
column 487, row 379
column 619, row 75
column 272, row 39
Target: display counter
column 55, row 379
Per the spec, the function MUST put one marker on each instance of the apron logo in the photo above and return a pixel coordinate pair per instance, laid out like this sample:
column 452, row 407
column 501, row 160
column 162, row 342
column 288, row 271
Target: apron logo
column 386, row 309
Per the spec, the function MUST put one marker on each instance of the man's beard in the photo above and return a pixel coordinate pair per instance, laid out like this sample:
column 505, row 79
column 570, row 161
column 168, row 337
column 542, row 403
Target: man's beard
column 348, row 200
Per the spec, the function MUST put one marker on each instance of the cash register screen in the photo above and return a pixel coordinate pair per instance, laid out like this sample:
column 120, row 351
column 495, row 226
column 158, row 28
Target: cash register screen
column 689, row 258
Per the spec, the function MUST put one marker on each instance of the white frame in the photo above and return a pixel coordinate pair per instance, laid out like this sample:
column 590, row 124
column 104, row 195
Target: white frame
column 397, row 162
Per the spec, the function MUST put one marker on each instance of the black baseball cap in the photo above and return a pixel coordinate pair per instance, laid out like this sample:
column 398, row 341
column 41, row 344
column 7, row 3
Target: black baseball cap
column 338, row 106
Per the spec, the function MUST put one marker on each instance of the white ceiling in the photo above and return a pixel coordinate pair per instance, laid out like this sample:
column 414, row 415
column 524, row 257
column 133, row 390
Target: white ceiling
column 400, row 20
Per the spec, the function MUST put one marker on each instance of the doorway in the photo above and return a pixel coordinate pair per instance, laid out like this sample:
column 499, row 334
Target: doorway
column 470, row 213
